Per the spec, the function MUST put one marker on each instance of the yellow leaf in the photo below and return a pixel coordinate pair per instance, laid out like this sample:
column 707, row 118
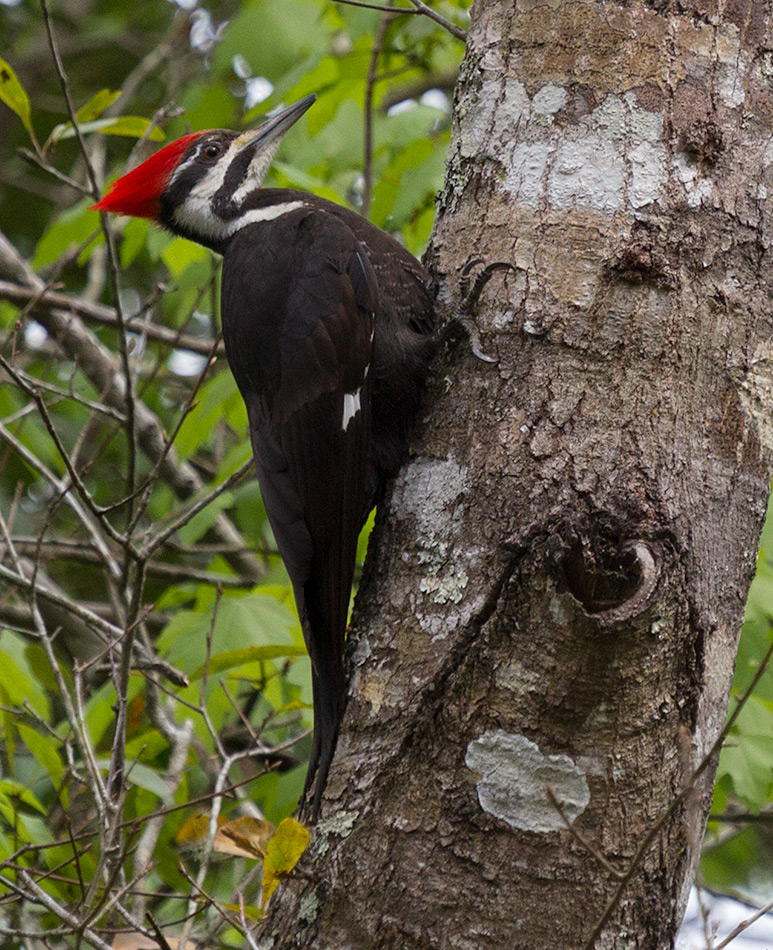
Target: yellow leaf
column 283, row 852
column 242, row 837
column 14, row 96
column 97, row 105
column 193, row 833
column 245, row 837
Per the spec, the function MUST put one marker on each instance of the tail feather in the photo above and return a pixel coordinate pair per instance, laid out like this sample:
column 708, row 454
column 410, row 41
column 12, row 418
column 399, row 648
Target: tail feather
column 325, row 605
column 329, row 702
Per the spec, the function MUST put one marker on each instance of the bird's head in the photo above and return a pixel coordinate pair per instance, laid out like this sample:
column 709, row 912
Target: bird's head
column 201, row 185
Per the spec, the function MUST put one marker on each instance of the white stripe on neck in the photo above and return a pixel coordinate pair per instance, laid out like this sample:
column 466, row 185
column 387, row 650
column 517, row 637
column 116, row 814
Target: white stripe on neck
column 255, row 215
column 195, row 215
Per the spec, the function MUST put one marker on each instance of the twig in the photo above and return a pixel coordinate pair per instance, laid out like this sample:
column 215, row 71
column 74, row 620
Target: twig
column 47, row 299
column 86, row 553
column 153, row 539
column 452, row 28
column 63, row 489
column 179, row 738
column 41, row 162
column 39, row 896
column 129, row 405
column 580, row 838
column 99, row 366
column 101, row 627
column 150, row 481
column 75, row 478
column 394, row 11
column 744, row 925
column 421, row 9
column 370, row 83
column 98, row 407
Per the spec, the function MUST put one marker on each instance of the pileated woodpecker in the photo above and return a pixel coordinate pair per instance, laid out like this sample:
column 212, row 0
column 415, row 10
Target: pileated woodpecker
column 327, row 324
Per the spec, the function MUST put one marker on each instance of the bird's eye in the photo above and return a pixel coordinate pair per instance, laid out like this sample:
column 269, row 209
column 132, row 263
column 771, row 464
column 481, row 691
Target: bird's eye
column 211, row 151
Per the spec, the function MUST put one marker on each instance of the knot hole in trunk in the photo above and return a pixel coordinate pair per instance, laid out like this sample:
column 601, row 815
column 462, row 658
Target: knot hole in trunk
column 613, row 578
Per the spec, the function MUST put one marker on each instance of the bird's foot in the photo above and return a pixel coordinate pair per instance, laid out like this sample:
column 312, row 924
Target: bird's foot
column 471, row 290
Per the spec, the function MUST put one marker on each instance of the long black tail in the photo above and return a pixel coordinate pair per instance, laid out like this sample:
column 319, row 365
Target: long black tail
column 329, row 688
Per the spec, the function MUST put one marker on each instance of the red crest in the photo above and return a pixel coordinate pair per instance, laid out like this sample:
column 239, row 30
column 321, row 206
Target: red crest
column 138, row 193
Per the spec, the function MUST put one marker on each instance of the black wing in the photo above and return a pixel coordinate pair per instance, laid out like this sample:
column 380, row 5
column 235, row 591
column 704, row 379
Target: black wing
column 298, row 327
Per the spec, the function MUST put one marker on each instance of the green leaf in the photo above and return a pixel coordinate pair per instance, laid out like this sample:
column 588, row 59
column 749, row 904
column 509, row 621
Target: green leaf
column 133, row 126
column 203, row 520
column 143, row 777
column 257, row 619
column 283, row 852
column 44, row 749
column 19, row 682
column 215, row 397
column 11, row 789
column 73, row 227
column 232, row 658
column 133, row 240
column 179, row 254
column 15, row 97
column 250, row 912
column 96, row 105
column 747, row 756
column 288, row 176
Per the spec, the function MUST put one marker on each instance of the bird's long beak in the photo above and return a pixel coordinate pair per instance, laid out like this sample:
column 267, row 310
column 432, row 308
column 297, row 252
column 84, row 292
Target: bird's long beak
column 253, row 151
column 273, row 129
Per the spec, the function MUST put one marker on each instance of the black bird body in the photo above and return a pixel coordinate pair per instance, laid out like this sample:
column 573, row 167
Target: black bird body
column 327, row 325
column 330, row 361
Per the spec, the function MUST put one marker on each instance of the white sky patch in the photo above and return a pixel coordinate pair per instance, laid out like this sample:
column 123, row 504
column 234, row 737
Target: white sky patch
column 436, row 99
column 35, row 334
column 351, row 408
column 407, row 105
column 241, row 67
column 186, row 363
column 204, row 33
column 258, row 90
column 514, row 774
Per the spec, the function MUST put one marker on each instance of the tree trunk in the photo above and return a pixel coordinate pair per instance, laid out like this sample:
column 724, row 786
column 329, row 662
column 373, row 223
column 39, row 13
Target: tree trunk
column 554, row 594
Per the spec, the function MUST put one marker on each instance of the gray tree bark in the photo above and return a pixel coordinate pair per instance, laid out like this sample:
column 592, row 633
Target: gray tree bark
column 553, row 596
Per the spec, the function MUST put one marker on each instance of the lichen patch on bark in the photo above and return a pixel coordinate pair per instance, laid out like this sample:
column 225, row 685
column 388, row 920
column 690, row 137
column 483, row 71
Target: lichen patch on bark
column 515, row 776
column 592, row 164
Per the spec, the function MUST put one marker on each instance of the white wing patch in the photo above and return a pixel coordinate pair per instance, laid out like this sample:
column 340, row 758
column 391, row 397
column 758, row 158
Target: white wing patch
column 351, row 408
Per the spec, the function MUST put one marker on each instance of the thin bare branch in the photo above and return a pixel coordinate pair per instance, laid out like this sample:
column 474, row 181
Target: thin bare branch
column 452, row 28
column 97, row 363
column 370, row 83
column 62, row 488
column 47, row 300
column 420, row 9
column 155, row 538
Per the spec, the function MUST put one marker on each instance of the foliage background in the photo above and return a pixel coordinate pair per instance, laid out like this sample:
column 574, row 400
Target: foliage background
column 208, row 606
